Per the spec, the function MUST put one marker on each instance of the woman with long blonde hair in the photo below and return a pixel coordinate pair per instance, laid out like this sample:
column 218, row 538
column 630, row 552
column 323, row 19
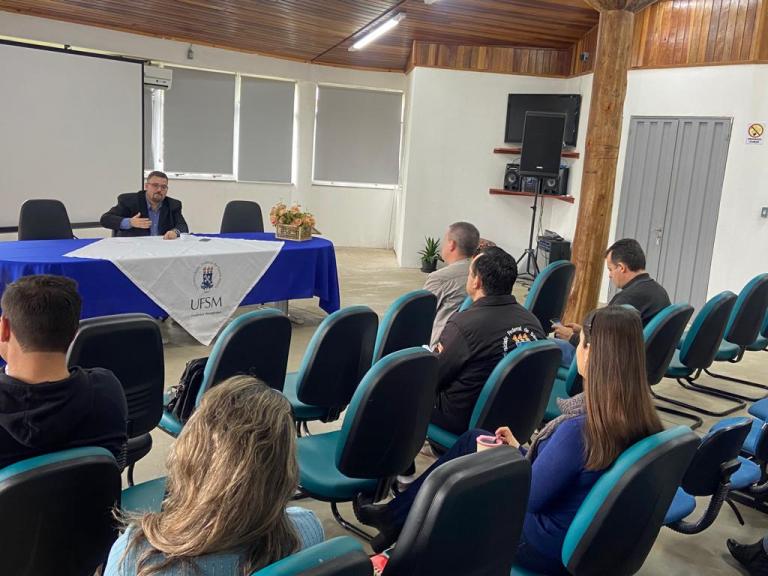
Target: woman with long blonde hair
column 571, row 452
column 231, row 474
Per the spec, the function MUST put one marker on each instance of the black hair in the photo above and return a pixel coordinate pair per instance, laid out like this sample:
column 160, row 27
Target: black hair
column 497, row 271
column 628, row 252
column 43, row 311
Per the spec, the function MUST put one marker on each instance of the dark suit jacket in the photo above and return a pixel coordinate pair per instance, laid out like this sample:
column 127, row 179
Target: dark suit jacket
column 128, row 205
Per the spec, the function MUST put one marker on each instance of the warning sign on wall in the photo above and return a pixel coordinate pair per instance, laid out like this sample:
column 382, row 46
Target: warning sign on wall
column 756, row 132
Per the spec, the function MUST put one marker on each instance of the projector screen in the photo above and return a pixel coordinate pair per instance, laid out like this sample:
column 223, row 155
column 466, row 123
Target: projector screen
column 70, row 129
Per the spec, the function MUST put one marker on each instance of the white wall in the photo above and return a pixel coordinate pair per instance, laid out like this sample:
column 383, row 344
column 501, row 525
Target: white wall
column 337, row 209
column 455, row 119
column 739, row 92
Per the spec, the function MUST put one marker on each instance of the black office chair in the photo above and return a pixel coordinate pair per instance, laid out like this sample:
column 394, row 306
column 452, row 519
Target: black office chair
column 131, row 346
column 44, row 220
column 56, row 513
column 242, row 216
column 467, row 517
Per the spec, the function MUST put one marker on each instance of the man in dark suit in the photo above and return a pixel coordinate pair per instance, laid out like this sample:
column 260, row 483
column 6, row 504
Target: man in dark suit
column 148, row 212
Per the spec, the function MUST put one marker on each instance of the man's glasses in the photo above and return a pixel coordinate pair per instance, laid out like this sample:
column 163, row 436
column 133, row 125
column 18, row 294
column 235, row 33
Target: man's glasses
column 158, row 186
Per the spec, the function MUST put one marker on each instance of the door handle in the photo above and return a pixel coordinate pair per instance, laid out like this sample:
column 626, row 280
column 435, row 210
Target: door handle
column 659, row 235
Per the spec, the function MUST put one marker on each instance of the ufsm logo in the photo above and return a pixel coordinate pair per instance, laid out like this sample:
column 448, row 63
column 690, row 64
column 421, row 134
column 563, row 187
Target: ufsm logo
column 207, row 277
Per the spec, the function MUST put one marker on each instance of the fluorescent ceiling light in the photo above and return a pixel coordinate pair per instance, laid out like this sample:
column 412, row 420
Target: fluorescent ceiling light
column 377, row 32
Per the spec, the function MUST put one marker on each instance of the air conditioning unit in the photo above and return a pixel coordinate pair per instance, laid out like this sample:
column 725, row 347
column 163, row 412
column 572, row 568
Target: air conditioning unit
column 157, row 77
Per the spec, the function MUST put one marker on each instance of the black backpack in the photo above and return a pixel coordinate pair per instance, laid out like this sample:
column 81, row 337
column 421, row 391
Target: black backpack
column 182, row 397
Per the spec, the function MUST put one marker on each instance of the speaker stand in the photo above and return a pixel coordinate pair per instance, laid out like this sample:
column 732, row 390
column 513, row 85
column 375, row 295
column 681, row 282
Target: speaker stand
column 529, row 254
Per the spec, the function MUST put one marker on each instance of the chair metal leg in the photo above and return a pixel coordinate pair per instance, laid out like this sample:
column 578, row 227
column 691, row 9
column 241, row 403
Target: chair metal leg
column 347, row 526
column 737, row 380
column 700, row 410
column 697, row 422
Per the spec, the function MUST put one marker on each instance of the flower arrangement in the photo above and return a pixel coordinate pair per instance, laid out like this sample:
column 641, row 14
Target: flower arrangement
column 291, row 223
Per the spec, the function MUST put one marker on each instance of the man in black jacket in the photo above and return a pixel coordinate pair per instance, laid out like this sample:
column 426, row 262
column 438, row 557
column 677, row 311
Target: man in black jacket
column 625, row 261
column 44, row 405
column 474, row 341
column 148, row 212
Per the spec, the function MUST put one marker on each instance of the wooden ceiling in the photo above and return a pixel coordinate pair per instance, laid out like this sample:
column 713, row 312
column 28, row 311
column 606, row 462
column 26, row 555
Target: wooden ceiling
column 321, row 31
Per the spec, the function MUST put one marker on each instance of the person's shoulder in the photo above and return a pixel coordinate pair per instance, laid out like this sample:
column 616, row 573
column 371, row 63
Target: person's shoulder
column 102, row 381
column 173, row 204
column 571, row 429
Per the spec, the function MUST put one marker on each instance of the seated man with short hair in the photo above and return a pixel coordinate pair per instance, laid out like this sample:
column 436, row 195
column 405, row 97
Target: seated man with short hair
column 625, row 262
column 474, row 341
column 449, row 283
column 44, row 405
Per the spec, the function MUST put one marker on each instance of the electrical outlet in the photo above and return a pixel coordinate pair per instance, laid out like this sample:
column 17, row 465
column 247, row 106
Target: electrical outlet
column 764, row 212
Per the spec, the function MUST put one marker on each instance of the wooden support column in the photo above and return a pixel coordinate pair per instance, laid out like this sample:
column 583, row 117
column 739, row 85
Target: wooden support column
column 609, row 87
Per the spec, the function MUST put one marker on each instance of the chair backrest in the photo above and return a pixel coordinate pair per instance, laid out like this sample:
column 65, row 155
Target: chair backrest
column 717, row 450
column 703, row 340
column 517, row 391
column 549, row 292
column 747, row 315
column 337, row 358
column 764, row 326
column 131, row 347
column 662, row 335
column 44, row 220
column 618, row 522
column 467, row 517
column 257, row 344
column 242, row 216
column 386, row 422
column 340, row 556
column 57, row 512
column 466, row 304
column 408, row 322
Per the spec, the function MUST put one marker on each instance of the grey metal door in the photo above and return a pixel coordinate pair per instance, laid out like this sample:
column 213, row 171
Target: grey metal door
column 670, row 198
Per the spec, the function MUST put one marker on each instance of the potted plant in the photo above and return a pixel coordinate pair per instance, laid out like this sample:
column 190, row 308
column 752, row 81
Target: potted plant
column 430, row 254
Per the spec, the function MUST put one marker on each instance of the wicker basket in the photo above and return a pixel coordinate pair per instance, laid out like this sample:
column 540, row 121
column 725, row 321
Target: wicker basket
column 291, row 232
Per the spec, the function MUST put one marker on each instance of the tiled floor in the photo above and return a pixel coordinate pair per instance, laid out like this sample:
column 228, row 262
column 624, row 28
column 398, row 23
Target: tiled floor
column 371, row 277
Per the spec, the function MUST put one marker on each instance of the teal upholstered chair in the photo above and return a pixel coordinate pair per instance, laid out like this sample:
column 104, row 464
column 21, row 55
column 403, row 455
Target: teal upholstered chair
column 567, row 383
column 761, row 342
column 743, row 330
column 407, row 323
column 697, row 351
column 711, row 473
column 383, row 430
column 145, row 497
column 618, row 522
column 256, row 343
column 661, row 336
column 514, row 395
column 466, row 304
column 549, row 292
column 56, row 512
column 337, row 357
column 341, row 556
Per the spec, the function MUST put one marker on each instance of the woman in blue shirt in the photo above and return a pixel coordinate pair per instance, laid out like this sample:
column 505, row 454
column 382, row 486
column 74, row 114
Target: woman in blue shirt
column 571, row 452
column 231, row 474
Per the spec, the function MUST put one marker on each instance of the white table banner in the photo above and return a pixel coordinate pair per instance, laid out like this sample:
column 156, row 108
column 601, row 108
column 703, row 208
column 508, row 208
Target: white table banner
column 198, row 281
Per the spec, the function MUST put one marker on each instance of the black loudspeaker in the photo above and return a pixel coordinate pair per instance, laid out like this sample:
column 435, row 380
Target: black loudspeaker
column 559, row 250
column 542, row 144
column 512, row 177
column 557, row 185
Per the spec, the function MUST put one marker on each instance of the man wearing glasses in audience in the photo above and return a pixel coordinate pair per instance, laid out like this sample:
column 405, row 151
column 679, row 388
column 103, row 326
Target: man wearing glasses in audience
column 148, row 212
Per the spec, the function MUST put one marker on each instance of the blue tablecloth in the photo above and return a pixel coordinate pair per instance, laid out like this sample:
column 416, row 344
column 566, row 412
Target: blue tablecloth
column 301, row 270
